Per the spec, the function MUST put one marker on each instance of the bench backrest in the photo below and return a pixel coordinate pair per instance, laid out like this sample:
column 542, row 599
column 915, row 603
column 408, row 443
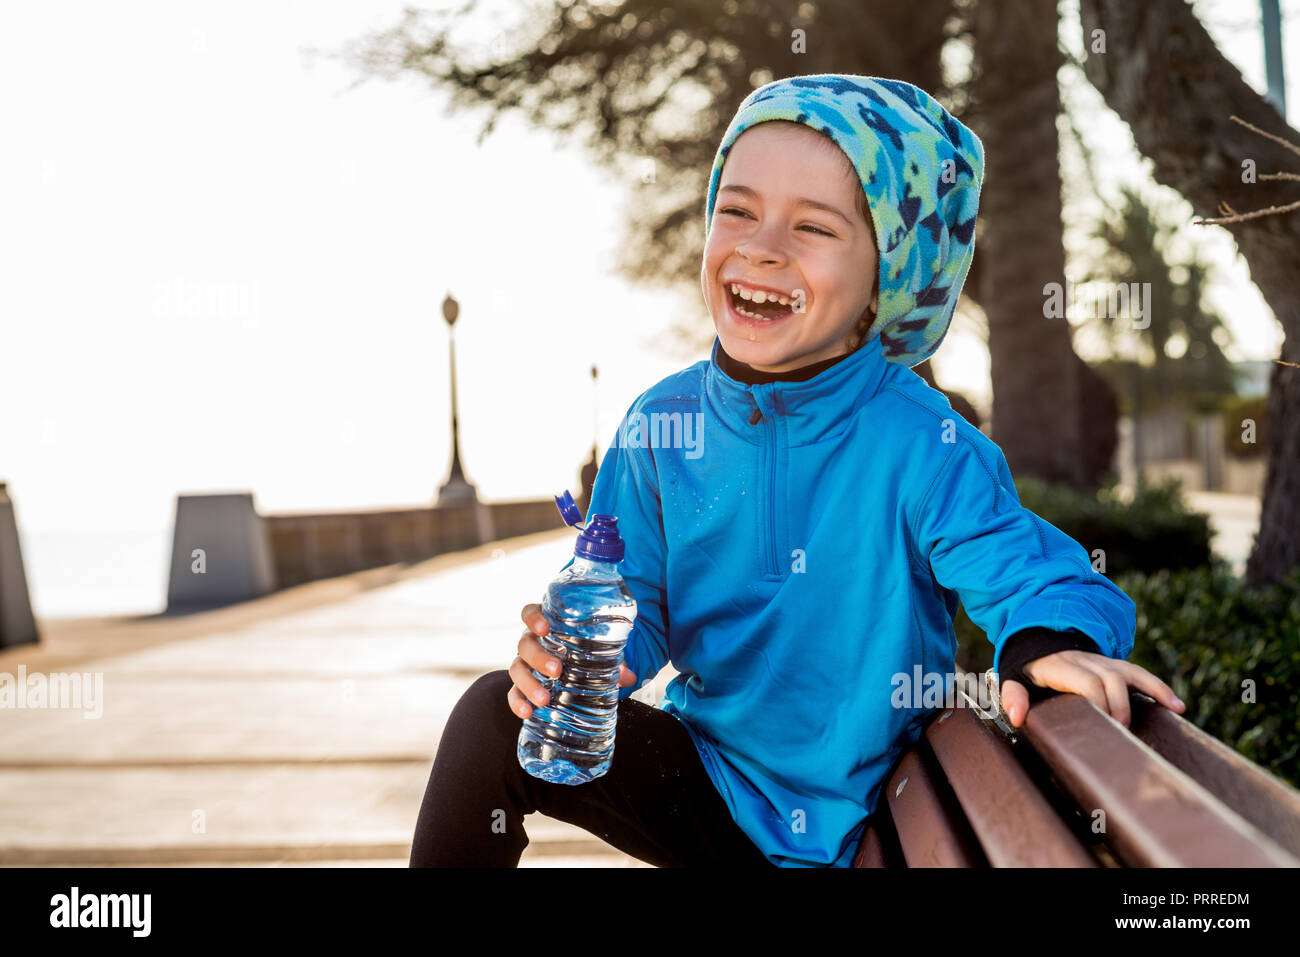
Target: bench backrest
column 1072, row 787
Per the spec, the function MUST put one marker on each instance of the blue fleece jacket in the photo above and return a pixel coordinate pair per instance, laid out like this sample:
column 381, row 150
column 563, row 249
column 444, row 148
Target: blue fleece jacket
column 792, row 547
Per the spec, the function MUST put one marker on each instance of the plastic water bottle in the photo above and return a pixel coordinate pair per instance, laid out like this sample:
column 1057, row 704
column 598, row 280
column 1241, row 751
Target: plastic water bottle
column 570, row 740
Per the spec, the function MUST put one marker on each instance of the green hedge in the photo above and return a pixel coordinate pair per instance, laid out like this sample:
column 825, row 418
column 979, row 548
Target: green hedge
column 1153, row 531
column 1203, row 633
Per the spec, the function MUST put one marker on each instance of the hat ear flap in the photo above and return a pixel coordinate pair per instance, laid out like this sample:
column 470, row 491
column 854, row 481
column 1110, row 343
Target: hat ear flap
column 941, row 258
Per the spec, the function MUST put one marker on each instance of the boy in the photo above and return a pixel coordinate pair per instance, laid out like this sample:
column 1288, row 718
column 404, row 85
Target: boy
column 815, row 542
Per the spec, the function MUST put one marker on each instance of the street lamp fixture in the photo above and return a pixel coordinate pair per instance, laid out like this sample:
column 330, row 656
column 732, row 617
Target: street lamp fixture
column 456, row 490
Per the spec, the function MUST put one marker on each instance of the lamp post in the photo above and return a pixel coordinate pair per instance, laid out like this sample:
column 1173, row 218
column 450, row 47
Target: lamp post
column 588, row 474
column 1271, row 22
column 456, row 490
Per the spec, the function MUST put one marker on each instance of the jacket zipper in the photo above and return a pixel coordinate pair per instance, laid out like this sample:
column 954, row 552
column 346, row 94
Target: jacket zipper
column 773, row 560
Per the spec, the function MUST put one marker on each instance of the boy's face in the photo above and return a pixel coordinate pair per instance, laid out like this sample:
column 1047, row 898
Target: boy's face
column 763, row 235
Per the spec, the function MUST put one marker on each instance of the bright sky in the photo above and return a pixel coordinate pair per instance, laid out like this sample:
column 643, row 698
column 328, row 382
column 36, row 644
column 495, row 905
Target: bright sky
column 224, row 271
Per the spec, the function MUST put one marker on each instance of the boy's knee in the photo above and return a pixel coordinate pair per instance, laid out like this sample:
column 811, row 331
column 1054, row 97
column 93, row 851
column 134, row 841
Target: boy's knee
column 498, row 679
column 488, row 694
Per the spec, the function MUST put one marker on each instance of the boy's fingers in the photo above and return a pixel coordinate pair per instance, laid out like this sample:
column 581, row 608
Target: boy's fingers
column 1103, row 681
column 517, row 703
column 532, row 617
column 1099, row 679
column 1144, row 681
column 1087, row 684
column 1015, row 701
column 1068, row 676
column 1116, row 690
column 535, row 656
column 523, row 679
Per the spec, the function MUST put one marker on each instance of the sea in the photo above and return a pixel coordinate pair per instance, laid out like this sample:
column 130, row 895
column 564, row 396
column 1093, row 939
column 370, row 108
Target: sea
column 76, row 574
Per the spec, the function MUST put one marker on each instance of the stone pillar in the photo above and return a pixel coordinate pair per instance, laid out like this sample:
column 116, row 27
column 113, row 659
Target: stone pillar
column 17, row 624
column 468, row 512
column 221, row 551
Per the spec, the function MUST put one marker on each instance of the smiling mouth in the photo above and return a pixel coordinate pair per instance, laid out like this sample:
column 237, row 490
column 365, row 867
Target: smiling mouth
column 765, row 311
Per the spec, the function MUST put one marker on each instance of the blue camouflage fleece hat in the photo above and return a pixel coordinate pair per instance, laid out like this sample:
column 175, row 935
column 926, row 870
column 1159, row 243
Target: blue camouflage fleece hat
column 921, row 170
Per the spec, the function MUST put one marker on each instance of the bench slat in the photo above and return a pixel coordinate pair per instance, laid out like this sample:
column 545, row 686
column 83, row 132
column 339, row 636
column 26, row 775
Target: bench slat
column 930, row 829
column 1266, row 801
column 879, row 846
column 1015, row 823
column 870, row 852
column 1155, row 815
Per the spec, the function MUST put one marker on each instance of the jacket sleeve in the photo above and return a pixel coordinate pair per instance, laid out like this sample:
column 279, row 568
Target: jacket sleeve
column 1011, row 569
column 627, row 486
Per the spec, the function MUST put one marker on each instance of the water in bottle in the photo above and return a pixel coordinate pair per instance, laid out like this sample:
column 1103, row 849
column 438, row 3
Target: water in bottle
column 570, row 740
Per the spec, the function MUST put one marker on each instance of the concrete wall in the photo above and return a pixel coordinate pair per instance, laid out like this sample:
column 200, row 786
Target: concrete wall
column 246, row 554
column 308, row 546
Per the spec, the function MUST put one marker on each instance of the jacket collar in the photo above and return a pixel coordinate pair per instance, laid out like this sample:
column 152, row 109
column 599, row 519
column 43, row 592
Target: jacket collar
column 808, row 411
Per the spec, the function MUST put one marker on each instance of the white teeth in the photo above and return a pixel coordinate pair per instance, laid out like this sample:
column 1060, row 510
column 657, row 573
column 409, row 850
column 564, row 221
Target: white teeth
column 759, row 296
column 753, row 315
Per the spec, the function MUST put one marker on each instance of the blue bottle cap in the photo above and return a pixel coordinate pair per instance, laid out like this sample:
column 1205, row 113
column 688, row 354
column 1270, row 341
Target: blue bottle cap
column 599, row 541
column 568, row 510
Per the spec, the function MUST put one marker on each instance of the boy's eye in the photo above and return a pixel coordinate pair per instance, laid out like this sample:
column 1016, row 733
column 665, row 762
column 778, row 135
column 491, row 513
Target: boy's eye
column 741, row 212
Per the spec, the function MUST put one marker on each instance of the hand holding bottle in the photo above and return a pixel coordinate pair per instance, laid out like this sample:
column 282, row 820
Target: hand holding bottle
column 527, row 690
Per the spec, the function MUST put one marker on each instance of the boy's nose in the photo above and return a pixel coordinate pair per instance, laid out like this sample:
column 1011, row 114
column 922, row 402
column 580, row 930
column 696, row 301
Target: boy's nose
column 753, row 253
column 764, row 244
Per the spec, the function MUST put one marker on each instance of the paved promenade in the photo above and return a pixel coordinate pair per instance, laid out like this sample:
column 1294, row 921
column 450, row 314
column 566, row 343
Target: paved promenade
column 298, row 729
column 1234, row 520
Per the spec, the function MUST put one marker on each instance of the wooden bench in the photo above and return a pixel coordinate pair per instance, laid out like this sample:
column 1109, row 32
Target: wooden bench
column 1072, row 787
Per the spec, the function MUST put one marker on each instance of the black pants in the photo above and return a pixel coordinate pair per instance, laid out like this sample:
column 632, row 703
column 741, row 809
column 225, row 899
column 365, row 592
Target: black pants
column 656, row 802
